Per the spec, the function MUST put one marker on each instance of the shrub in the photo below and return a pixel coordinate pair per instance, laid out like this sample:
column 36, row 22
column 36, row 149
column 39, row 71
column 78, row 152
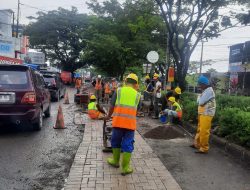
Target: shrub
column 189, row 105
column 232, row 115
column 235, row 125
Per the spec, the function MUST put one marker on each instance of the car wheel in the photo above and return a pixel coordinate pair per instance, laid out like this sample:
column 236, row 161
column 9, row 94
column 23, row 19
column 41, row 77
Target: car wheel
column 47, row 112
column 39, row 123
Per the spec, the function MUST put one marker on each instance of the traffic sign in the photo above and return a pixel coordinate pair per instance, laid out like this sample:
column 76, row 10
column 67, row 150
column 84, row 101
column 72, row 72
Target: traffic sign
column 152, row 56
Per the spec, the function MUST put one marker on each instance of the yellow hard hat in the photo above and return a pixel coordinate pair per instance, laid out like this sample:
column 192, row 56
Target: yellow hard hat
column 171, row 99
column 147, row 77
column 92, row 97
column 177, row 90
column 132, row 76
column 156, row 76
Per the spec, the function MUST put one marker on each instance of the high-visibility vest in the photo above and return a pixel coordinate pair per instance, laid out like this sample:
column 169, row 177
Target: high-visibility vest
column 107, row 88
column 178, row 109
column 98, row 85
column 127, row 100
column 92, row 110
column 114, row 86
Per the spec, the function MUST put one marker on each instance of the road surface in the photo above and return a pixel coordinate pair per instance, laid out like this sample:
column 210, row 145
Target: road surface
column 214, row 171
column 39, row 160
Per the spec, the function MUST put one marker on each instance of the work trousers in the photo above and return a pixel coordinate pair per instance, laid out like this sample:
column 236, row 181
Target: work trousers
column 98, row 94
column 156, row 106
column 123, row 138
column 203, row 132
column 171, row 114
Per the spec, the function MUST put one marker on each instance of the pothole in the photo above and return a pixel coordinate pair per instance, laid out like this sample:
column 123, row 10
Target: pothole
column 164, row 132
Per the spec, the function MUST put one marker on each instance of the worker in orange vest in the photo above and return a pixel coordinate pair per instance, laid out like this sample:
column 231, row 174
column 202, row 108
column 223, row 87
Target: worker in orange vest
column 114, row 86
column 95, row 111
column 107, row 92
column 78, row 84
column 123, row 108
column 98, row 88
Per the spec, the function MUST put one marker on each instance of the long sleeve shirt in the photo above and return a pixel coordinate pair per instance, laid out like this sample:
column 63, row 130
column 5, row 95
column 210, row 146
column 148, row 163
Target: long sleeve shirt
column 206, row 102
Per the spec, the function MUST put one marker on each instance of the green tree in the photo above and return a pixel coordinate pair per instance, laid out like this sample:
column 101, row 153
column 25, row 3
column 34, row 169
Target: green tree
column 120, row 35
column 59, row 34
column 190, row 21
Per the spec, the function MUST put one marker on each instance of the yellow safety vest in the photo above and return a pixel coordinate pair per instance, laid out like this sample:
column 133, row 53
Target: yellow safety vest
column 127, row 100
column 178, row 109
column 92, row 110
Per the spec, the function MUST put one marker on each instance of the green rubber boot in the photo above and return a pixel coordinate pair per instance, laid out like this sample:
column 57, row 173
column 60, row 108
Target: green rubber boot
column 126, row 168
column 116, row 158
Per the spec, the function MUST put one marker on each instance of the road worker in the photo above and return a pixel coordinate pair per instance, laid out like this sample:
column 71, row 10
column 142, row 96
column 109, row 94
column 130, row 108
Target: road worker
column 78, row 84
column 107, row 91
column 175, row 93
column 157, row 95
column 95, row 111
column 98, row 88
column 114, row 86
column 174, row 111
column 123, row 107
column 206, row 112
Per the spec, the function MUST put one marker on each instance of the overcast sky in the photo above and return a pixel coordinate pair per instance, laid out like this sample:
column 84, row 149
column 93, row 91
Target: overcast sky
column 216, row 49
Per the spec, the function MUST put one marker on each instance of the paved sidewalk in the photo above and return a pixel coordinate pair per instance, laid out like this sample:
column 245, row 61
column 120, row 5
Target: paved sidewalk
column 90, row 170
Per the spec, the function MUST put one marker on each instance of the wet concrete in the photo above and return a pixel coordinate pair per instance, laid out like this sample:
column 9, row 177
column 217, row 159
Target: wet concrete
column 214, row 171
column 39, row 160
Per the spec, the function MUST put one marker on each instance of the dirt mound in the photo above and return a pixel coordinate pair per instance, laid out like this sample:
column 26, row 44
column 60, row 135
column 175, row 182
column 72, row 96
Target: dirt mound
column 164, row 132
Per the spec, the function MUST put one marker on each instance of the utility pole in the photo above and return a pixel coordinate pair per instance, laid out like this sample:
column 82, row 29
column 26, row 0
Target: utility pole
column 202, row 43
column 13, row 24
column 17, row 22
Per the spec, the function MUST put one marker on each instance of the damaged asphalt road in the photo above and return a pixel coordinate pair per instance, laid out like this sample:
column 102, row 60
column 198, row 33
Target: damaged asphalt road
column 39, row 160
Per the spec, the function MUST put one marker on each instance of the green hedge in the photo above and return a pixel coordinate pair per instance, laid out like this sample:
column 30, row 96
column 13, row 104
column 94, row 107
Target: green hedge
column 232, row 115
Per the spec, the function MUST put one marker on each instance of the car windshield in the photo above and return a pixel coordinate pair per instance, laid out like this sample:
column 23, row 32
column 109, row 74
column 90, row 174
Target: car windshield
column 13, row 80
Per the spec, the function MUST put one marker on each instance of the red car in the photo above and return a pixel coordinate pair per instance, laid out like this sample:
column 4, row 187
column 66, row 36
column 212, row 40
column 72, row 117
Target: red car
column 24, row 96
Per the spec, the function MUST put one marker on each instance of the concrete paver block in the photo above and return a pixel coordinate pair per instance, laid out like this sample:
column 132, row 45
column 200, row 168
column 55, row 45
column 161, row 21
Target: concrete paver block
column 91, row 171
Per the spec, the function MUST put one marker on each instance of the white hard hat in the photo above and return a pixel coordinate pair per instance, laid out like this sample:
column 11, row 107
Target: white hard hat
column 99, row 76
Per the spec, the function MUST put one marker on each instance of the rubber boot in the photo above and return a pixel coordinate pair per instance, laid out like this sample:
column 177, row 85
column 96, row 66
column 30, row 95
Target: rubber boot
column 116, row 158
column 126, row 168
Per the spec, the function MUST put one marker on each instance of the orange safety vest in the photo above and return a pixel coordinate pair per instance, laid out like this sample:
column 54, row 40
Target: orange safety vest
column 107, row 88
column 92, row 110
column 114, row 86
column 127, row 100
column 98, row 85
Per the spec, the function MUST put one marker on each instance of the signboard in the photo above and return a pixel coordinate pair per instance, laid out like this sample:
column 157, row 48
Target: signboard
column 36, row 57
column 6, row 47
column 146, row 68
column 152, row 56
column 236, row 53
column 8, row 60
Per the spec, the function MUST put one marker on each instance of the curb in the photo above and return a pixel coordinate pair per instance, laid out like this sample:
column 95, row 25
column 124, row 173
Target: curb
column 234, row 150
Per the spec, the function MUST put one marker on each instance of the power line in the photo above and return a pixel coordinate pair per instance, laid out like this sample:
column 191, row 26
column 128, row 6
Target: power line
column 6, row 23
column 33, row 7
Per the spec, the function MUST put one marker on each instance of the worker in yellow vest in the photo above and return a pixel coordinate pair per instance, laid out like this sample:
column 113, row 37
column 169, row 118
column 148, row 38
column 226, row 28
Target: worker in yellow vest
column 95, row 111
column 123, row 108
column 175, row 110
